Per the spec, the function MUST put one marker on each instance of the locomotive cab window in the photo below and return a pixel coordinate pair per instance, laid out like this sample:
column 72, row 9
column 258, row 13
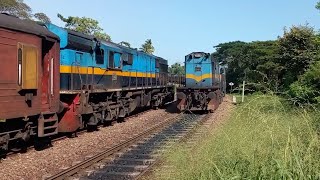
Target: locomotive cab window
column 127, row 58
column 27, row 66
column 130, row 59
column 99, row 56
column 111, row 59
column 124, row 57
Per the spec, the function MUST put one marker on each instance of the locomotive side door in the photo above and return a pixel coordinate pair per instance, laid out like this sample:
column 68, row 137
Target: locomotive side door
column 76, row 78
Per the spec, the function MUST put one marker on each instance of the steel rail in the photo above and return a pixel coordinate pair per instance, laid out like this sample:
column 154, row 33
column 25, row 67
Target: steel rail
column 108, row 152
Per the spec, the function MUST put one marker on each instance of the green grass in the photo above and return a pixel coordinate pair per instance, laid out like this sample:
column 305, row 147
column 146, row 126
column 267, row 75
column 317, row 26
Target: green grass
column 264, row 139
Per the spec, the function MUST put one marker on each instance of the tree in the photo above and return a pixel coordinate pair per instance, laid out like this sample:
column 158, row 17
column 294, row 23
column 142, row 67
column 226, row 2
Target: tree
column 85, row 25
column 177, row 69
column 124, row 43
column 42, row 17
column 298, row 49
column 307, row 89
column 102, row 36
column 16, row 7
column 21, row 10
column 318, row 5
column 147, row 47
column 255, row 62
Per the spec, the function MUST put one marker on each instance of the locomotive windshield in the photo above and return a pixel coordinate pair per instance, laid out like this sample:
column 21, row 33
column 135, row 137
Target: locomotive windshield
column 198, row 55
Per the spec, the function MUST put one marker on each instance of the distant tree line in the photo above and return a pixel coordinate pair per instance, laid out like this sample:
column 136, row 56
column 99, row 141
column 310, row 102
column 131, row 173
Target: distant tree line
column 20, row 9
column 177, row 69
column 289, row 65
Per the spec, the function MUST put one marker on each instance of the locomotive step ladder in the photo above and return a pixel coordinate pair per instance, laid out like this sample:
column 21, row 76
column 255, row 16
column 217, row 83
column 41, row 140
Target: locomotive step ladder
column 47, row 124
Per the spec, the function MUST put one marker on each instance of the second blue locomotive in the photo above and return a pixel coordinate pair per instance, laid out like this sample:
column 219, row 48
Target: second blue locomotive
column 103, row 81
column 205, row 83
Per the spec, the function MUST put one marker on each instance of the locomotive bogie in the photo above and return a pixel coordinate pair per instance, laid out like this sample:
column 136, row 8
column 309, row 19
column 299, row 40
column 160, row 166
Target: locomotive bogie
column 198, row 99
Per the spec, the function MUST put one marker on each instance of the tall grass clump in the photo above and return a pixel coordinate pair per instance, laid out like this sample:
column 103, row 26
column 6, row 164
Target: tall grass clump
column 263, row 139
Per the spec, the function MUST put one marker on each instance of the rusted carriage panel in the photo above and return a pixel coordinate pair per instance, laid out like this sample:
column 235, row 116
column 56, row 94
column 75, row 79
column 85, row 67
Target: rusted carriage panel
column 50, row 77
column 14, row 101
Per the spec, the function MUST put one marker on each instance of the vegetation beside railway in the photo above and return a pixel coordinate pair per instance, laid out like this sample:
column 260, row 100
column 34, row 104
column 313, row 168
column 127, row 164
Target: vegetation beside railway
column 265, row 138
column 288, row 65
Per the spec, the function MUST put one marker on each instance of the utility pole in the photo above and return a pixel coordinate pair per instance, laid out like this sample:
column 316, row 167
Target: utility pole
column 243, row 91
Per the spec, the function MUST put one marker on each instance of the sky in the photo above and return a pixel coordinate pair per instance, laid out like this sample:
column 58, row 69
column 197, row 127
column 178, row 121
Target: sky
column 179, row 27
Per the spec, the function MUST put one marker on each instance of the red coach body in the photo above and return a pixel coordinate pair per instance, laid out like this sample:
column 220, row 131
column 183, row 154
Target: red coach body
column 29, row 80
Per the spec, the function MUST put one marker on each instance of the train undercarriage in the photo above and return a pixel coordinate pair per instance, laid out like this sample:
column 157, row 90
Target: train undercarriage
column 91, row 108
column 205, row 99
column 78, row 111
column 15, row 134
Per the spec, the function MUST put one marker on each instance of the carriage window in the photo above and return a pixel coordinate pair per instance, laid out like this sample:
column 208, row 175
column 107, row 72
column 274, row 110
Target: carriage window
column 19, row 66
column 198, row 69
column 111, row 59
column 99, row 56
column 28, row 67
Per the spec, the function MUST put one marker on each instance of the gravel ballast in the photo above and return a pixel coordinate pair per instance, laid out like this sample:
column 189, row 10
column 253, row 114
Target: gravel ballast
column 39, row 164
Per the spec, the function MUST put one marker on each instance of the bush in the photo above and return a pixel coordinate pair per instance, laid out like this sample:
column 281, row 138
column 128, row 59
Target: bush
column 264, row 139
column 306, row 89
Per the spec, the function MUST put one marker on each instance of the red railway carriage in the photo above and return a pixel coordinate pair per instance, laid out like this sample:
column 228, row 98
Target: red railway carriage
column 29, row 81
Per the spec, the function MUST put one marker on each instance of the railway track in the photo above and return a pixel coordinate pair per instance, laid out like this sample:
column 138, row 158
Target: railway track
column 133, row 158
column 62, row 137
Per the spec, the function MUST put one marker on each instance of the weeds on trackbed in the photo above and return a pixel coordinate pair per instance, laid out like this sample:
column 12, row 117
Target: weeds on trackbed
column 264, row 139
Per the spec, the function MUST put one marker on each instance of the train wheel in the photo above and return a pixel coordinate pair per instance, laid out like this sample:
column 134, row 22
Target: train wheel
column 42, row 143
column 121, row 120
column 4, row 145
column 92, row 128
column 19, row 146
column 92, row 123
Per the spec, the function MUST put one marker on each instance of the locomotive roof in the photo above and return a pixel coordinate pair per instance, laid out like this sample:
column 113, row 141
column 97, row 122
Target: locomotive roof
column 197, row 53
column 82, row 35
column 11, row 22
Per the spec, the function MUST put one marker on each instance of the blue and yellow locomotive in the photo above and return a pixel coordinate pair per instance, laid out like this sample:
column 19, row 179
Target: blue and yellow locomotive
column 103, row 81
column 205, row 83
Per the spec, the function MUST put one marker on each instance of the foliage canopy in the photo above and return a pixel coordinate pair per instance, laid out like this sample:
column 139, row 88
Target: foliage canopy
column 147, row 47
column 21, row 10
column 85, row 25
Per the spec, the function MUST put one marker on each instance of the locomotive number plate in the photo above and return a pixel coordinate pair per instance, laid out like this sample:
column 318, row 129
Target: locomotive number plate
column 114, row 77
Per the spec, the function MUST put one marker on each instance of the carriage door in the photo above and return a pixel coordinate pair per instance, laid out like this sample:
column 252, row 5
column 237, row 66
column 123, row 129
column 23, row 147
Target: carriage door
column 47, row 74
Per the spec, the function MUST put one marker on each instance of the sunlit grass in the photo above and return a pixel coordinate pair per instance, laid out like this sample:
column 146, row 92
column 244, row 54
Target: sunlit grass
column 264, row 139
